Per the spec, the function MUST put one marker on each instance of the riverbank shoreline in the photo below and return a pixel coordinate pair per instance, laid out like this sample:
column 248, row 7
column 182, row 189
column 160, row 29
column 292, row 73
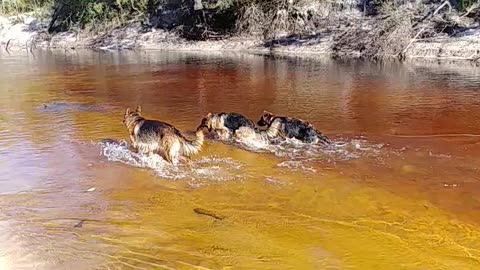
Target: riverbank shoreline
column 27, row 32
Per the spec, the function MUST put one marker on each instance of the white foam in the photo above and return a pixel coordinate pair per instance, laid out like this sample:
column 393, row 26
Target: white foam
column 297, row 156
column 296, row 165
column 204, row 169
column 293, row 149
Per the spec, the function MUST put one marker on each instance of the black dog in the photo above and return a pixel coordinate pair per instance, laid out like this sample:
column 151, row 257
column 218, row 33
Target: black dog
column 293, row 128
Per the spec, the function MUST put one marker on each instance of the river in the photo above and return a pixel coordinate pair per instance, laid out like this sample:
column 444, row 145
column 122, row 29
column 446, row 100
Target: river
column 400, row 188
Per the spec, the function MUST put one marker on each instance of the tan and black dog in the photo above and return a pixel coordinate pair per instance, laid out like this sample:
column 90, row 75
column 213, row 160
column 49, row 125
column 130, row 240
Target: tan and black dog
column 235, row 125
column 292, row 128
column 225, row 125
column 152, row 136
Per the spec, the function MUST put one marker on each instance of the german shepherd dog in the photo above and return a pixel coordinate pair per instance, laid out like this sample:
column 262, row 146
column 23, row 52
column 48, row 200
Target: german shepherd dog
column 152, row 136
column 235, row 125
column 226, row 125
column 293, row 128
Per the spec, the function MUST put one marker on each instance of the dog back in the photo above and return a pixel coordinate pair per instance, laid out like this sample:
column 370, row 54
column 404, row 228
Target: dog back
column 296, row 128
column 234, row 121
column 152, row 127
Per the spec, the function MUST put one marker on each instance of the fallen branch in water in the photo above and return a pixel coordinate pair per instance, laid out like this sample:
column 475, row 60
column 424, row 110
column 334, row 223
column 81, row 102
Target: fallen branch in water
column 209, row 213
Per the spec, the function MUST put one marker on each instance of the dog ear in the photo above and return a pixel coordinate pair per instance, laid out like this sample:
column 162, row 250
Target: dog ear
column 209, row 115
column 138, row 109
column 267, row 112
column 127, row 111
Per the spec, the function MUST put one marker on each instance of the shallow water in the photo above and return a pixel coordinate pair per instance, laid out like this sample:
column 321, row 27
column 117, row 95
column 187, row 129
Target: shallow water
column 399, row 189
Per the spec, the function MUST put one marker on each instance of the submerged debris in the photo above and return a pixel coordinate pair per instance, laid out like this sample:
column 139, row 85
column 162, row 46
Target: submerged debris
column 209, row 213
column 79, row 224
column 70, row 106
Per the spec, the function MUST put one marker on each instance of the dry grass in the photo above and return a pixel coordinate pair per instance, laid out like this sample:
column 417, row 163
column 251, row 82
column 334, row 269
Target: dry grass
column 396, row 27
column 270, row 19
column 21, row 6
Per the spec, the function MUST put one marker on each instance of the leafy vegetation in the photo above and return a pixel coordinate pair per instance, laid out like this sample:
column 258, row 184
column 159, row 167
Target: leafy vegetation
column 98, row 15
column 21, row 6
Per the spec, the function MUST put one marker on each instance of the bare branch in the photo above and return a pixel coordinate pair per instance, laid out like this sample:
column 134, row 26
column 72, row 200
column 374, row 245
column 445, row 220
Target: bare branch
column 445, row 3
column 470, row 9
column 6, row 46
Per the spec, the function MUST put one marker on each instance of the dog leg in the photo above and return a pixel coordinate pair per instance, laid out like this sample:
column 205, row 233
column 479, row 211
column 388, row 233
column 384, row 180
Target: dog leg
column 168, row 158
column 188, row 160
column 174, row 152
column 189, row 163
column 133, row 144
column 133, row 148
column 132, row 141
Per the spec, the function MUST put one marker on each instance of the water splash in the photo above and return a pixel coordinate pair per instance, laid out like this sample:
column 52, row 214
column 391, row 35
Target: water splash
column 299, row 156
column 297, row 166
column 198, row 172
column 293, row 149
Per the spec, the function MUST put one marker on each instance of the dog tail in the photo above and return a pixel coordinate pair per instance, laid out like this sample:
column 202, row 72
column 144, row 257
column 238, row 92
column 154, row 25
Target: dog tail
column 192, row 147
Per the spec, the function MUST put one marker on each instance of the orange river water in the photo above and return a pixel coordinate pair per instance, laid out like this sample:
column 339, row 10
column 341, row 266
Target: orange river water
column 399, row 190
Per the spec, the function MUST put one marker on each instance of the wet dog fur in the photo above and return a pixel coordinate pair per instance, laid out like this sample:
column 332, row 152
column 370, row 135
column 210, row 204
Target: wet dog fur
column 153, row 136
column 249, row 134
column 225, row 125
column 292, row 128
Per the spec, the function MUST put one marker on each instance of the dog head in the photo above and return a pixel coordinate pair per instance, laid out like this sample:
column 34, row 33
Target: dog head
column 130, row 115
column 266, row 119
column 206, row 122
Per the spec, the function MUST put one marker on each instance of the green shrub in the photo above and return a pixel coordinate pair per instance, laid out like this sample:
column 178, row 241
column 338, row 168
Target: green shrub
column 21, row 6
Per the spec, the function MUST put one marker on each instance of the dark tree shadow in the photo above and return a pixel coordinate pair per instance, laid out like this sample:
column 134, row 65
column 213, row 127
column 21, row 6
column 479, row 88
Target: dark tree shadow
column 296, row 40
